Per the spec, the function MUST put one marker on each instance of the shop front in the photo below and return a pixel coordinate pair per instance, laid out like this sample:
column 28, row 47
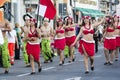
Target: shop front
column 88, row 7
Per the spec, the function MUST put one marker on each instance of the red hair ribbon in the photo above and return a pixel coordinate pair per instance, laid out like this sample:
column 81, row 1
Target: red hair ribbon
column 33, row 19
column 116, row 16
column 69, row 18
column 86, row 17
column 59, row 20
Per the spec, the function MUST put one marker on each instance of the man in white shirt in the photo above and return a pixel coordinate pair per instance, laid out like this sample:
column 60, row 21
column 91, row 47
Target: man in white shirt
column 12, row 39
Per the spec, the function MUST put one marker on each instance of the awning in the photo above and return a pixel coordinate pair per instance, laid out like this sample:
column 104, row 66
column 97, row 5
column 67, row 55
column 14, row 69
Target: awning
column 91, row 12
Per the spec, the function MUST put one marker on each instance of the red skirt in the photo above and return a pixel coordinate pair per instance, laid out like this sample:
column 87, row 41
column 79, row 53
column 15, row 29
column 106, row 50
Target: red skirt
column 34, row 50
column 110, row 44
column 89, row 48
column 60, row 44
column 70, row 40
column 117, row 41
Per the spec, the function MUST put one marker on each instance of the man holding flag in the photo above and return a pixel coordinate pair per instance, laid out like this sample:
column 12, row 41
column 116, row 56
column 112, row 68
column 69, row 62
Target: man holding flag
column 47, row 10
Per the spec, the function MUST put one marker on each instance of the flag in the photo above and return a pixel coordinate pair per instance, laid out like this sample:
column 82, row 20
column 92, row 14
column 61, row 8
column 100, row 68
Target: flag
column 46, row 9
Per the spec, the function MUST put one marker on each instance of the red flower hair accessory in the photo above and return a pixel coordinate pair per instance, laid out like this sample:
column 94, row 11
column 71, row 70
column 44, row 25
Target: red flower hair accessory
column 59, row 20
column 116, row 16
column 69, row 18
column 33, row 19
column 86, row 17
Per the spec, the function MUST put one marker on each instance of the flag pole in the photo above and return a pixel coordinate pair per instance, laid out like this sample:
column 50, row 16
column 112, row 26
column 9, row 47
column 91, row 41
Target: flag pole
column 38, row 14
column 55, row 16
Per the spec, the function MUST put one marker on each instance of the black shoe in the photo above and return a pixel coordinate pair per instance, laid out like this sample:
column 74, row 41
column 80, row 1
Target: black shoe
column 106, row 63
column 73, row 59
column 86, row 72
column 6, row 72
column 32, row 73
column 40, row 69
column 61, row 63
column 92, row 68
column 70, row 61
column 116, row 59
column 51, row 60
column 110, row 63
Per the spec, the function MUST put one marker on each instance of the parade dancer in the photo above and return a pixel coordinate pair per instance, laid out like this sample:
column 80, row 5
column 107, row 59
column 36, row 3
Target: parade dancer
column 33, row 45
column 5, row 26
column 70, row 37
column 60, row 40
column 109, row 41
column 46, row 33
column 24, row 41
column 87, row 42
column 117, row 34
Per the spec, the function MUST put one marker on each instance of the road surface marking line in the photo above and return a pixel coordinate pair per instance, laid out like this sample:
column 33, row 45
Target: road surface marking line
column 48, row 68
column 67, row 63
column 29, row 73
column 76, row 78
column 23, row 75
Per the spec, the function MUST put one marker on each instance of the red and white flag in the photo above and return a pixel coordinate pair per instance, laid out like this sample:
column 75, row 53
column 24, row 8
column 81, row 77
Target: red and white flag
column 46, row 9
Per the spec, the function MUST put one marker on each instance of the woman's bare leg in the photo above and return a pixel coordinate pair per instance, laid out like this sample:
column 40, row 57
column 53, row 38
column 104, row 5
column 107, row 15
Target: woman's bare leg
column 106, row 52
column 32, row 64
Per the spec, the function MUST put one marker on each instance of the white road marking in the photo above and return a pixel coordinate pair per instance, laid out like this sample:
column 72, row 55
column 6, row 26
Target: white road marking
column 48, row 68
column 23, row 75
column 76, row 78
column 67, row 63
column 29, row 73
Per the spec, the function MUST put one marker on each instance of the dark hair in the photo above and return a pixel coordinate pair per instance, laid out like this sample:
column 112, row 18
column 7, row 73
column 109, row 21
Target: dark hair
column 114, row 20
column 83, row 23
column 58, row 24
column 110, row 22
column 67, row 22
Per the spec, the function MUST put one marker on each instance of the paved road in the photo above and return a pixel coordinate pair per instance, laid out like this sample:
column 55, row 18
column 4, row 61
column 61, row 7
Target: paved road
column 69, row 71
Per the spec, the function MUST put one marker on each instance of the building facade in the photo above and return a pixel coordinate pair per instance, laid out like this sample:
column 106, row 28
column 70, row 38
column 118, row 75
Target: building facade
column 63, row 7
column 109, row 6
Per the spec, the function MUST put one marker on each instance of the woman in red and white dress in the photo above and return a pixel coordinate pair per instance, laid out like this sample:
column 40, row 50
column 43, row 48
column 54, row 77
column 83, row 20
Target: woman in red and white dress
column 70, row 37
column 109, row 41
column 60, row 40
column 87, row 42
column 117, row 34
column 33, row 46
